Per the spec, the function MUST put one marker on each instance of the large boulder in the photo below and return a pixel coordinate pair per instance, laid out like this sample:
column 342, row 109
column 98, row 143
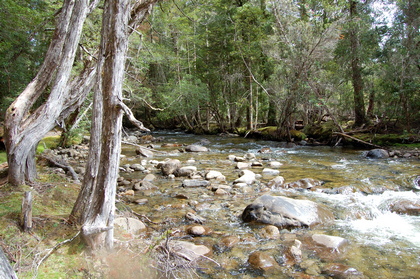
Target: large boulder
column 377, row 154
column 286, row 212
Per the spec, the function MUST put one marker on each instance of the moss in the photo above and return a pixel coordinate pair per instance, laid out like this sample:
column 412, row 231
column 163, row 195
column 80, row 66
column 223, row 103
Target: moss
column 48, row 143
column 297, row 135
column 269, row 132
column 389, row 139
column 3, row 157
column 320, row 130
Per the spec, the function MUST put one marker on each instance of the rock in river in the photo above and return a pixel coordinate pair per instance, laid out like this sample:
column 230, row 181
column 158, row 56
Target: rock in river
column 377, row 154
column 196, row 148
column 286, row 212
column 170, row 166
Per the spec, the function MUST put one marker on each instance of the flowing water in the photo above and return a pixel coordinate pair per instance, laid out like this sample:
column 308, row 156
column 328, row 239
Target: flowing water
column 359, row 191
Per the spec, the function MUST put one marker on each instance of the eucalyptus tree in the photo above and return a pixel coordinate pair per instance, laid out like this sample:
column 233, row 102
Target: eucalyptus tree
column 357, row 54
column 399, row 86
column 25, row 123
column 306, row 34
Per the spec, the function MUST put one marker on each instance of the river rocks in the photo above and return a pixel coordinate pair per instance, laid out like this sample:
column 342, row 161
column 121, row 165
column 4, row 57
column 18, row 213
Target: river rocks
column 295, row 253
column 144, row 185
column 406, row 207
column 185, row 171
column 286, row 212
column 137, row 167
column 332, row 242
column 262, row 261
column 195, row 183
column 230, row 241
column 170, row 166
column 189, row 250
column 242, row 165
column 377, row 154
column 247, row 177
column 268, row 171
column 276, row 182
column 270, row 232
column 144, row 152
column 195, row 218
column 196, row 148
column 275, row 164
column 197, row 230
column 341, row 271
column 215, row 175
column 305, row 183
column 239, row 159
column 131, row 226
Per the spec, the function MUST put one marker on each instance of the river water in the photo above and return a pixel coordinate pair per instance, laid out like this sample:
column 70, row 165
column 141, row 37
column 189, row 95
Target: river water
column 359, row 192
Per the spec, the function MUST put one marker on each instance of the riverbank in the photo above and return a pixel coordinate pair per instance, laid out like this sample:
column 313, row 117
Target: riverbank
column 209, row 213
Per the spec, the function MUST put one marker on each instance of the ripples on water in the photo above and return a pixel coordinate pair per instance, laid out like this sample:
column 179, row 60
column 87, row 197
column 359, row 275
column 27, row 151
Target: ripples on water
column 383, row 244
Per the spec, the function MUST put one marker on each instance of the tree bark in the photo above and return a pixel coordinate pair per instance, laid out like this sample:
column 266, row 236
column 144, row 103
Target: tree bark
column 23, row 129
column 95, row 206
column 359, row 104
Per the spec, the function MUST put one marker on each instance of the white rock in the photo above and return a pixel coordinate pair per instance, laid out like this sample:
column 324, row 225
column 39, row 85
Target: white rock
column 267, row 171
column 213, row 174
column 275, row 165
column 329, row 241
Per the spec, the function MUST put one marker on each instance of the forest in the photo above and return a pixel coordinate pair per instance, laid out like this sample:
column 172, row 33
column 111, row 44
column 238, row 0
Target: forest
column 224, row 65
column 327, row 72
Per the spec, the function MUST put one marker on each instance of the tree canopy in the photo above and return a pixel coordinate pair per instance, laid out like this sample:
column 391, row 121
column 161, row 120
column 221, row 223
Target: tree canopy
column 220, row 65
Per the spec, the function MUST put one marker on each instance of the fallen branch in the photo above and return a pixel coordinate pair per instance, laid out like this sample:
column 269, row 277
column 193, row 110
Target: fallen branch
column 139, row 146
column 52, row 250
column 358, row 140
column 64, row 166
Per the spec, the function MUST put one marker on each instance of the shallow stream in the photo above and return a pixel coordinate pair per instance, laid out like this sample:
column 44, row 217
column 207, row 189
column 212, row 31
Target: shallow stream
column 381, row 244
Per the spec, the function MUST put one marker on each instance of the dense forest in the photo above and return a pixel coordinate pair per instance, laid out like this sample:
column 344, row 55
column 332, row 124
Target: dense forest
column 217, row 66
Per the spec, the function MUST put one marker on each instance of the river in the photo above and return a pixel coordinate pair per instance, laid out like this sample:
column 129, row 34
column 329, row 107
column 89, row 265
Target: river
column 359, row 191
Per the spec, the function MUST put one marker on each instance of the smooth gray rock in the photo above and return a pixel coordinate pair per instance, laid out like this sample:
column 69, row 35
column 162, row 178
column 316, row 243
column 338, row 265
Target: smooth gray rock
column 196, row 148
column 286, row 212
column 195, row 183
column 377, row 154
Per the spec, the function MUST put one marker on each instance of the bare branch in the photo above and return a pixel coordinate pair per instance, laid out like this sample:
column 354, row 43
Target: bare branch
column 133, row 119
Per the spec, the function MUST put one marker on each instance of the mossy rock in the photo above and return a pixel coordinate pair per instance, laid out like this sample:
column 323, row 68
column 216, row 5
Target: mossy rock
column 320, row 130
column 297, row 135
column 269, row 132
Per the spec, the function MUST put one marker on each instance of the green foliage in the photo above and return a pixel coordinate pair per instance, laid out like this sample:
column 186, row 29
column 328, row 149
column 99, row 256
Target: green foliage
column 23, row 41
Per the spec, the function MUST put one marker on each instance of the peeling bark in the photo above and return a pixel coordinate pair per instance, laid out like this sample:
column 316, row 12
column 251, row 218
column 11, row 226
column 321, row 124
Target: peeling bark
column 23, row 128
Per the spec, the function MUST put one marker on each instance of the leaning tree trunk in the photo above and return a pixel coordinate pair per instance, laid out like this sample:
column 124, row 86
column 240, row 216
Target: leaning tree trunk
column 95, row 206
column 23, row 128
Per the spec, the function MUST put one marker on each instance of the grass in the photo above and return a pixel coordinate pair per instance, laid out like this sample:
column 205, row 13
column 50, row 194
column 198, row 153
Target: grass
column 45, row 143
column 53, row 199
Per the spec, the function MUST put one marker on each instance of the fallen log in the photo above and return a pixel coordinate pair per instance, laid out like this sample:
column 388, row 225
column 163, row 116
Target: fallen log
column 358, row 140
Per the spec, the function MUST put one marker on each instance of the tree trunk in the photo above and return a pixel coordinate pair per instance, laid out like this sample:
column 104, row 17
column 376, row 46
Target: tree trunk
column 95, row 205
column 359, row 104
column 23, row 128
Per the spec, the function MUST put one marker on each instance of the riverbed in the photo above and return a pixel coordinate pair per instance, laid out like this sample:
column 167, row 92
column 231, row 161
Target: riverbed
column 359, row 191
